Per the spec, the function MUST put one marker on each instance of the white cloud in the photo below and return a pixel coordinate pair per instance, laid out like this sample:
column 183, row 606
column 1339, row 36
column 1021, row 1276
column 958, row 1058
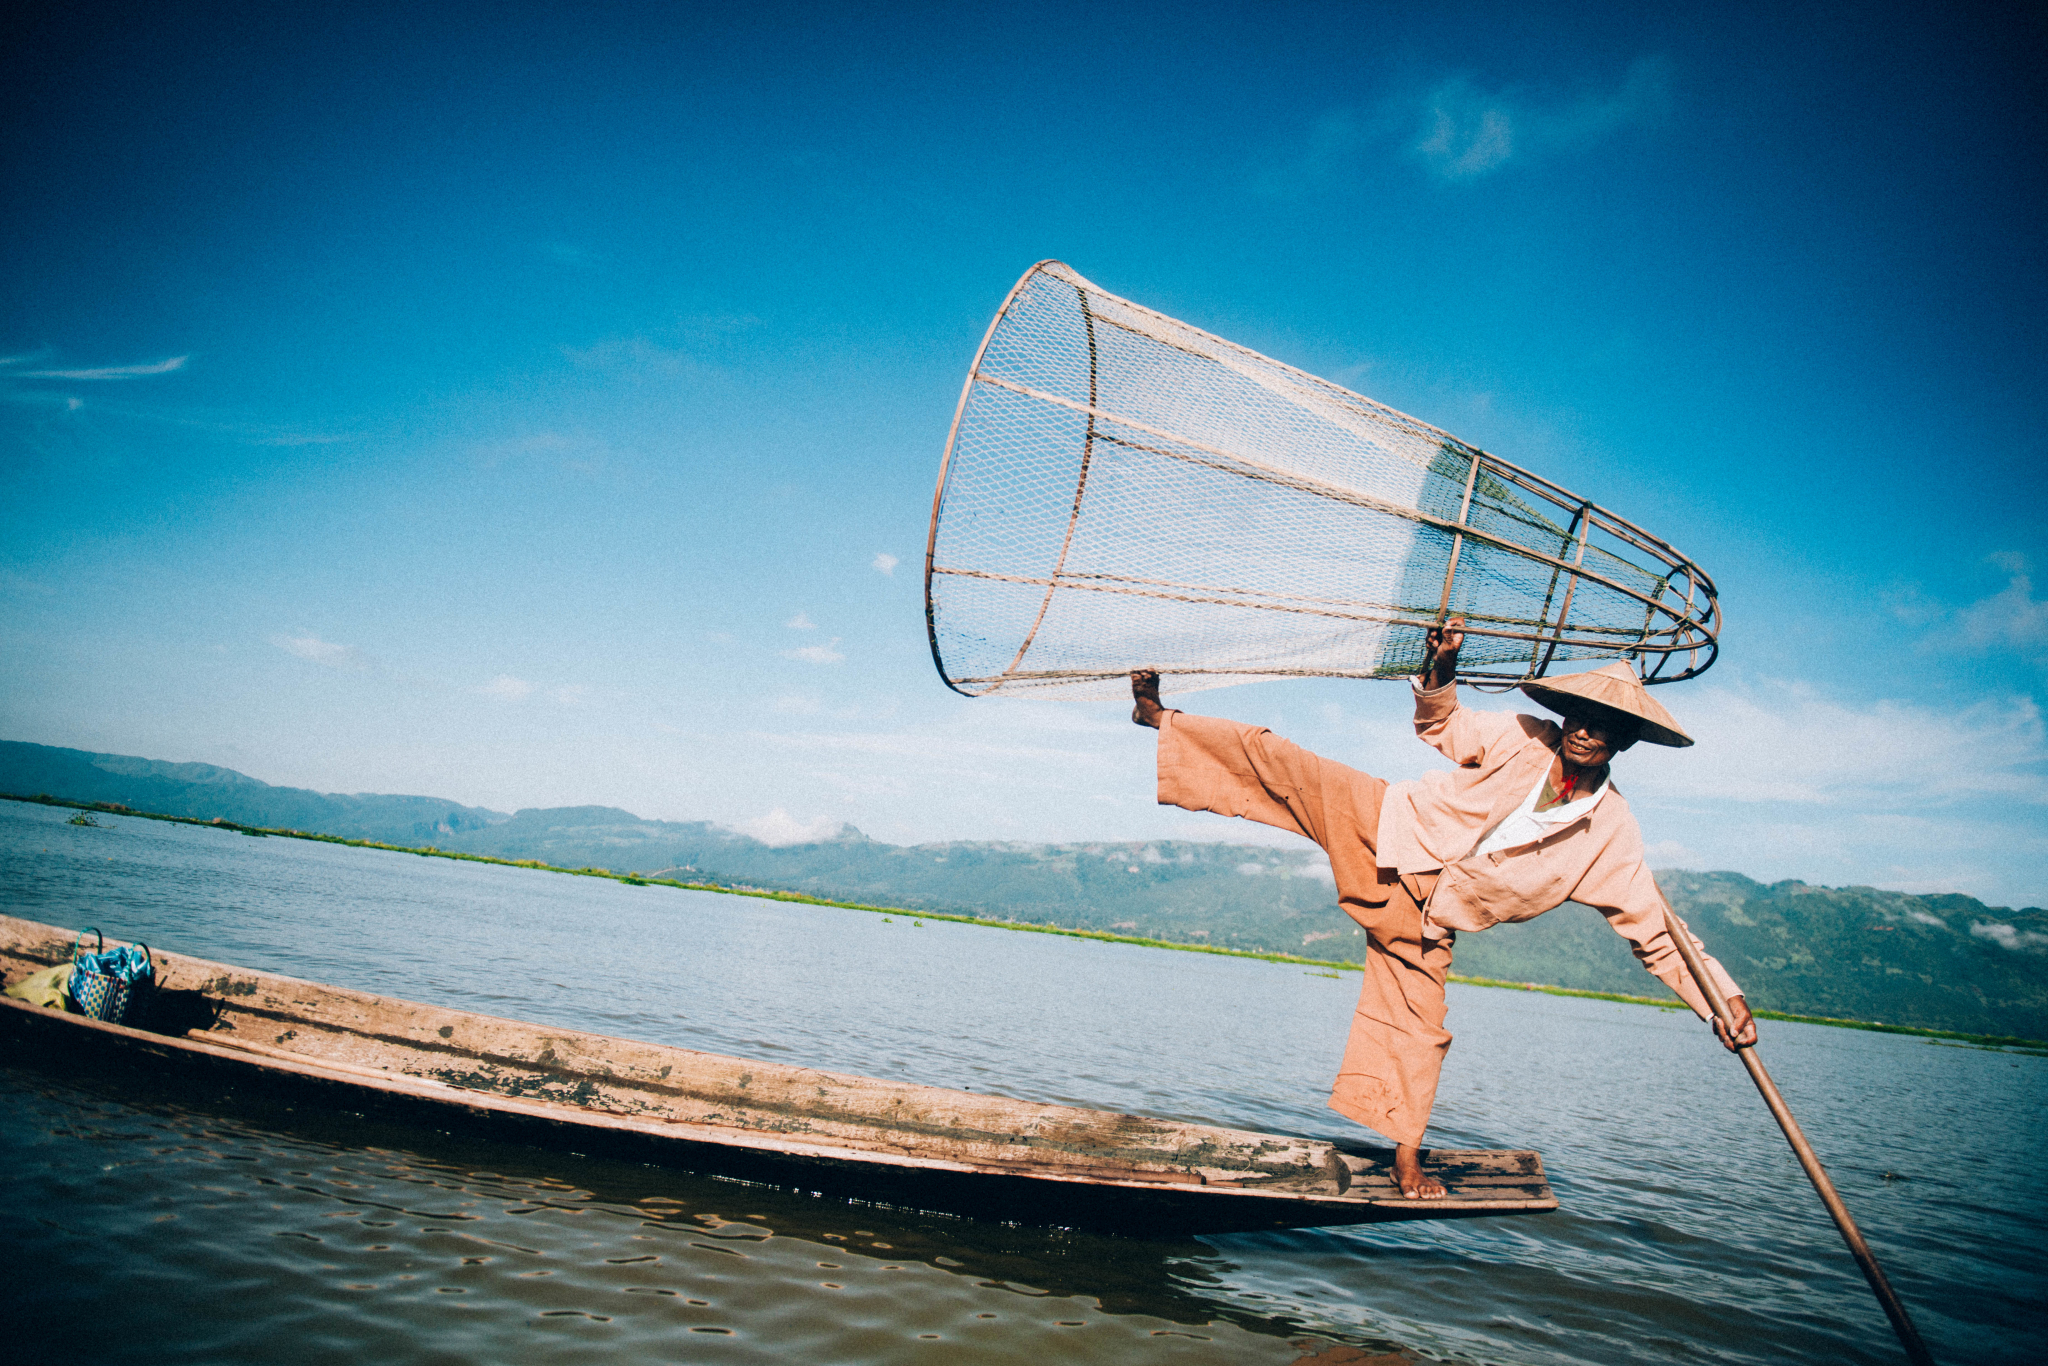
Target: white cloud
column 2008, row 936
column 1467, row 137
column 571, row 452
column 1460, row 131
column 885, row 563
column 1987, row 885
column 1913, row 606
column 1318, row 867
column 1469, row 132
column 801, row 622
column 1007, row 737
column 1789, row 742
column 2012, row 618
column 646, row 359
column 817, row 654
column 162, row 367
column 301, row 439
column 779, row 828
column 797, row 704
column 570, row 694
column 322, row 652
column 1670, row 854
column 507, row 687
column 1961, row 810
column 28, row 397
column 1010, row 769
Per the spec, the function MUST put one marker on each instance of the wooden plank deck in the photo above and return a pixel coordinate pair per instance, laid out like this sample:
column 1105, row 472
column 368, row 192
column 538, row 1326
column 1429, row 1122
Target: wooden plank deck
column 895, row 1143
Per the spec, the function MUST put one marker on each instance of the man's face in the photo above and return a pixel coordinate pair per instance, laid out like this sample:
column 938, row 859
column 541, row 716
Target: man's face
column 1592, row 738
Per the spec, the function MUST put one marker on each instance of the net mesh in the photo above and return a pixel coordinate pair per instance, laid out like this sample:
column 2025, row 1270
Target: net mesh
column 1123, row 490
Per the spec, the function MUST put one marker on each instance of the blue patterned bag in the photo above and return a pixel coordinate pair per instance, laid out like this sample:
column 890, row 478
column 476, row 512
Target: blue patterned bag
column 109, row 984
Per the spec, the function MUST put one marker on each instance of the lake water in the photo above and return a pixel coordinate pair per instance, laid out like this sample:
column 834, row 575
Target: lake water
column 175, row 1232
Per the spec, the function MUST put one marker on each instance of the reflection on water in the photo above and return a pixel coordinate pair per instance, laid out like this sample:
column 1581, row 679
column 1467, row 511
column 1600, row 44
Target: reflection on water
column 198, row 1237
column 1687, row 1234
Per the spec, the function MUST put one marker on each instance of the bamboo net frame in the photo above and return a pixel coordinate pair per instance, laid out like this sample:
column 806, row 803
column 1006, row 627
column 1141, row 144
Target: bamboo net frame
column 1122, row 490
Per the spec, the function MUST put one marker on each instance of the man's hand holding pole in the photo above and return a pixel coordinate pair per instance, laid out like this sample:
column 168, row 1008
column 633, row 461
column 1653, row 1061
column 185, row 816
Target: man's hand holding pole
column 1744, row 1024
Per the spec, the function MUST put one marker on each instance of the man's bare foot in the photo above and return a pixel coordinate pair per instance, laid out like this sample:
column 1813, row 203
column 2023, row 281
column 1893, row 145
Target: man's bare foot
column 1147, row 708
column 1408, row 1174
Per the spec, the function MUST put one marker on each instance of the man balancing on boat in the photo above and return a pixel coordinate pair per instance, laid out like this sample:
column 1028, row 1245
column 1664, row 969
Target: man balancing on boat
column 1527, row 821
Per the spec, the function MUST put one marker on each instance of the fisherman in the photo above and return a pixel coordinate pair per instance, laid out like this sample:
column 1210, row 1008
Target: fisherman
column 1527, row 821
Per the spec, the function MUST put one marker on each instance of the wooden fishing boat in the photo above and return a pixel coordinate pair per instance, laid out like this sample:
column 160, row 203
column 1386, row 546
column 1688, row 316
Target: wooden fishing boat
column 890, row 1143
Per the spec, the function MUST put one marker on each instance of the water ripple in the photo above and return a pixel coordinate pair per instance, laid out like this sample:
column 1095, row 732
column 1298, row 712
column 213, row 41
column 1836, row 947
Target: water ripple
column 227, row 1232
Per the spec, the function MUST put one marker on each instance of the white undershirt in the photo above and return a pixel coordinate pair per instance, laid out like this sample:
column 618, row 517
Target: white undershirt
column 1525, row 824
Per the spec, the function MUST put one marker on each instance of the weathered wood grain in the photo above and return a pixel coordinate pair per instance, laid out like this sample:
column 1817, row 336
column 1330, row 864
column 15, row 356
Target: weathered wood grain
column 896, row 1142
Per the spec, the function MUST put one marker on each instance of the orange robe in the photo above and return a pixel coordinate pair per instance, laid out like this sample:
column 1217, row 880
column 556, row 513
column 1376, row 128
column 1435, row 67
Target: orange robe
column 1398, row 853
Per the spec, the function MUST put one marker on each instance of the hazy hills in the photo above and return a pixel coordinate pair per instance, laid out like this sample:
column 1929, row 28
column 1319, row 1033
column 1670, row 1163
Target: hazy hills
column 1946, row 962
column 1939, row 961
column 205, row 791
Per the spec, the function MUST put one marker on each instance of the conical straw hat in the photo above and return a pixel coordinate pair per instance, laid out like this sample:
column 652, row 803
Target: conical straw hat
column 1617, row 688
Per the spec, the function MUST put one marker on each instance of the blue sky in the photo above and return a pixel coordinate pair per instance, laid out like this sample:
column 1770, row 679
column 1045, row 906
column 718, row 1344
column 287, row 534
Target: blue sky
column 536, row 408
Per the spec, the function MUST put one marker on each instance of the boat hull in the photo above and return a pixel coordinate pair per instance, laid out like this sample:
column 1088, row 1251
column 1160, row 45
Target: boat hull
column 235, row 1032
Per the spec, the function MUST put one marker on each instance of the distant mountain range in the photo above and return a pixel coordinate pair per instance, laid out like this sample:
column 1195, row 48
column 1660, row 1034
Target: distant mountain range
column 205, row 791
column 1942, row 962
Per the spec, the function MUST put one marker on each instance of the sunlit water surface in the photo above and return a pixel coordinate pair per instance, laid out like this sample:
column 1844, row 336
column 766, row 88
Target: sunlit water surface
column 181, row 1232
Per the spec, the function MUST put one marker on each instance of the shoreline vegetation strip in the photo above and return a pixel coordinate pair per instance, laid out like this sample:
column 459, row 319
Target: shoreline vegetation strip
column 804, row 899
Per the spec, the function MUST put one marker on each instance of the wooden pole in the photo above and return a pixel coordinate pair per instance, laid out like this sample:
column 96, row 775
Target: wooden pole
column 1902, row 1323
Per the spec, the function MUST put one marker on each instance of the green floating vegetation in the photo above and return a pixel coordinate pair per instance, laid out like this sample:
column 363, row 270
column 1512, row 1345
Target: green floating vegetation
column 1332, row 966
column 1658, row 1001
column 2028, row 1047
column 1995, row 1041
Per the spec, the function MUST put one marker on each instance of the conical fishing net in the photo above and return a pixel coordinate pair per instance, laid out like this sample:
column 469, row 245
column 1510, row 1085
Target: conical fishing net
column 1122, row 490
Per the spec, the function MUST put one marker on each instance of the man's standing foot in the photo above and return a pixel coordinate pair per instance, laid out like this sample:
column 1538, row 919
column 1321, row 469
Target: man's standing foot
column 1409, row 1176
